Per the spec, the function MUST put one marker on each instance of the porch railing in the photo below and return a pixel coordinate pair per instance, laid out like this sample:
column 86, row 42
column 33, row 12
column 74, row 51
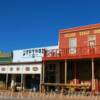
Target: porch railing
column 74, row 52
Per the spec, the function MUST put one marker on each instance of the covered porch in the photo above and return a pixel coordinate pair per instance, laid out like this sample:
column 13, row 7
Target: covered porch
column 22, row 76
column 71, row 75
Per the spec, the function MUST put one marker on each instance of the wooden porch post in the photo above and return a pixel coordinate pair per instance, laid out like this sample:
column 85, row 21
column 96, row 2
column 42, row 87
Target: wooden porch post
column 65, row 71
column 7, row 81
column 43, row 73
column 41, row 78
column 75, row 73
column 93, row 76
column 75, row 70
column 21, row 81
column 42, row 89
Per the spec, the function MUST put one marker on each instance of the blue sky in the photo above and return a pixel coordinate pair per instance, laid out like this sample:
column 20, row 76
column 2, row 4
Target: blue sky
column 36, row 23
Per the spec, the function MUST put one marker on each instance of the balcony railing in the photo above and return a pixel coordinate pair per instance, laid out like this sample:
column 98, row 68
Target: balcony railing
column 80, row 52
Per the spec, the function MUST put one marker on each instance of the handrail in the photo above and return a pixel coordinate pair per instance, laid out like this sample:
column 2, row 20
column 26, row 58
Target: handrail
column 79, row 51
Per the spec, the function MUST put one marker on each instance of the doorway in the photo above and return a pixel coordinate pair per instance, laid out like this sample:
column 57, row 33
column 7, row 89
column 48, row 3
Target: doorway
column 32, row 81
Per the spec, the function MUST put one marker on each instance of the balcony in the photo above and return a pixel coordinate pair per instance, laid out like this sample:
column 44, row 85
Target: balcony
column 72, row 53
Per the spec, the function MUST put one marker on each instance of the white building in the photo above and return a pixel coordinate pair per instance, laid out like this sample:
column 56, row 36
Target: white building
column 26, row 69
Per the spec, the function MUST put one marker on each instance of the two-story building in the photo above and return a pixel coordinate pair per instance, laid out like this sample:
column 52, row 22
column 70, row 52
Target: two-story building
column 76, row 64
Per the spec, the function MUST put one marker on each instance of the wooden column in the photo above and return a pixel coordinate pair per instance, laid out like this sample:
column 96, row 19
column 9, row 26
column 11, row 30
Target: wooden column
column 75, row 73
column 41, row 78
column 93, row 76
column 75, row 76
column 65, row 71
column 22, row 81
column 43, row 72
column 7, row 81
column 42, row 87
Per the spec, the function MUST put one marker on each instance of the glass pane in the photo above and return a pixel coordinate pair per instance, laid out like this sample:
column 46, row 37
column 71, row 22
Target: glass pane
column 72, row 45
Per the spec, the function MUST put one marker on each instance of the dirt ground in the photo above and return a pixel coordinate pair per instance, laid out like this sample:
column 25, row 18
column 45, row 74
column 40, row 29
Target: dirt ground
column 8, row 95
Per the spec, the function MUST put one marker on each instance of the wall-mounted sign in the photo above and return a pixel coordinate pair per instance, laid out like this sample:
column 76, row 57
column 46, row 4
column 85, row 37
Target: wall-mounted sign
column 82, row 33
column 30, row 55
column 68, row 35
column 21, row 69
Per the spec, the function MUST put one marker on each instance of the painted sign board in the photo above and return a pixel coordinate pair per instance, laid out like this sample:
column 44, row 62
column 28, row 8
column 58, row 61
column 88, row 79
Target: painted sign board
column 21, row 69
column 30, row 55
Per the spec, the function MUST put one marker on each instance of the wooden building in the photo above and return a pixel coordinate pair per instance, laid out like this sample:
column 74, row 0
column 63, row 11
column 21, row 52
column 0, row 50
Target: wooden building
column 76, row 64
column 22, row 70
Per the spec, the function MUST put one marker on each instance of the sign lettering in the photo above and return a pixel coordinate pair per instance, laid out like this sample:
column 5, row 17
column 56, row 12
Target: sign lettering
column 84, row 33
column 33, row 52
column 70, row 35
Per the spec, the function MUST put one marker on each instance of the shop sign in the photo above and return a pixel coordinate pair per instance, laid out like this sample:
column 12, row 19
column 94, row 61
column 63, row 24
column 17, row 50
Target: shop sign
column 30, row 55
column 82, row 33
column 21, row 69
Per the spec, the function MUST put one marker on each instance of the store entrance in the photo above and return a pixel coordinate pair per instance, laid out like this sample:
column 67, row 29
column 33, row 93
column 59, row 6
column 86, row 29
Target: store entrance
column 32, row 82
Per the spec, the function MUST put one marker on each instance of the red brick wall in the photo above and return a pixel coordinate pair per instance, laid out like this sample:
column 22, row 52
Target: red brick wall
column 81, row 35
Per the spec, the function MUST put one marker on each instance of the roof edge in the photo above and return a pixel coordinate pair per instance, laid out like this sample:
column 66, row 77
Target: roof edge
column 80, row 28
